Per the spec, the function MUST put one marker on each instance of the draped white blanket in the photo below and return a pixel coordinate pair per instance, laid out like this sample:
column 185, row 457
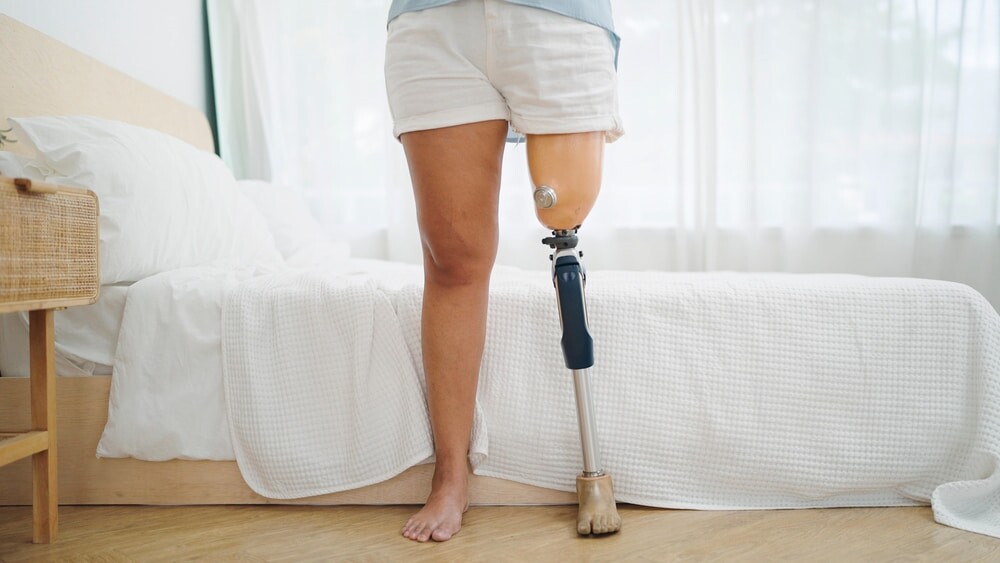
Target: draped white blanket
column 721, row 391
column 321, row 389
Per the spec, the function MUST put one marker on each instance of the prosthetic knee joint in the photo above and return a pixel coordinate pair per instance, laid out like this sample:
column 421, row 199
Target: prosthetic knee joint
column 565, row 171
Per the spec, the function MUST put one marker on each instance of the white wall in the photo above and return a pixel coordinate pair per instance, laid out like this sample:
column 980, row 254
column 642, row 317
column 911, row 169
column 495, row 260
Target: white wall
column 160, row 42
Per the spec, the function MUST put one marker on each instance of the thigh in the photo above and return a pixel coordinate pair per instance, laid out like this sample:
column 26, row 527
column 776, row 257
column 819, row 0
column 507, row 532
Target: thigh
column 456, row 184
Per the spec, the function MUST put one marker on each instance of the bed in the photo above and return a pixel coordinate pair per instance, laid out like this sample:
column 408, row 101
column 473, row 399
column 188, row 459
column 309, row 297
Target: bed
column 716, row 391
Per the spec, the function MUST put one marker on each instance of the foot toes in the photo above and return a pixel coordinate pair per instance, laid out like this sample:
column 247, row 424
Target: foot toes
column 441, row 535
column 607, row 523
column 415, row 532
column 598, row 524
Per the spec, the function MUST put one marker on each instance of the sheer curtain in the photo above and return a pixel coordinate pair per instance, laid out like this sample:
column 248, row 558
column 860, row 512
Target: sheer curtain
column 761, row 135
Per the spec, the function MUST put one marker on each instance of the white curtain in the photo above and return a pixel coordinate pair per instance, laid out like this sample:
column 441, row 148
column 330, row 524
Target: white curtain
column 855, row 136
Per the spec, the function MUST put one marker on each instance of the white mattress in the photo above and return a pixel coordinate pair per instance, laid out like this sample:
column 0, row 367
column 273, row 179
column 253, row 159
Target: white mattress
column 85, row 336
column 719, row 391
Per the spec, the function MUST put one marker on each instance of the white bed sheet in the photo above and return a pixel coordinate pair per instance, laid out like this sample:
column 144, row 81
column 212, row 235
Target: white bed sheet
column 711, row 390
column 85, row 337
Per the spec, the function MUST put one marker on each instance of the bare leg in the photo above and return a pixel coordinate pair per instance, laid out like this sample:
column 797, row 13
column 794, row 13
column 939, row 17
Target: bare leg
column 456, row 181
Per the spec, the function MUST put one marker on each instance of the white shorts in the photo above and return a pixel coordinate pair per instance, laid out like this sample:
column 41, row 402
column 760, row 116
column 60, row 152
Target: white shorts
column 478, row 60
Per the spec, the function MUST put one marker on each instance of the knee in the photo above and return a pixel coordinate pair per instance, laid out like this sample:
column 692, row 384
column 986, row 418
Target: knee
column 453, row 260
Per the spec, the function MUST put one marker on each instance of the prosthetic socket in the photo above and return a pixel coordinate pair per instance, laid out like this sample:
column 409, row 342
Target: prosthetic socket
column 566, row 174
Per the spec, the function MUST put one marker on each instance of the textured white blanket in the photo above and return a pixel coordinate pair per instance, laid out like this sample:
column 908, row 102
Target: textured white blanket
column 321, row 391
column 711, row 390
column 756, row 391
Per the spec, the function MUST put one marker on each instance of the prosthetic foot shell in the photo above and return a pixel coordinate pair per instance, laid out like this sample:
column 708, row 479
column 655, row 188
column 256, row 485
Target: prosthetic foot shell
column 598, row 513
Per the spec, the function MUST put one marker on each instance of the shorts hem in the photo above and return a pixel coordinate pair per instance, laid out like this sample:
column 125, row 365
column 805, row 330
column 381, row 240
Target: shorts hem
column 451, row 117
column 610, row 124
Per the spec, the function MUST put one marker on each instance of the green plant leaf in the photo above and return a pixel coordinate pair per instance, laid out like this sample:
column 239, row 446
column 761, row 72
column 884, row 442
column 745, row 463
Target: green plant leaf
column 5, row 137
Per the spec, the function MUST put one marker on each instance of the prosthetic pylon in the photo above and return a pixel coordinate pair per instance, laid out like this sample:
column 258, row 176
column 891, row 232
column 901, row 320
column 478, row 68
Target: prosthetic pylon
column 597, row 513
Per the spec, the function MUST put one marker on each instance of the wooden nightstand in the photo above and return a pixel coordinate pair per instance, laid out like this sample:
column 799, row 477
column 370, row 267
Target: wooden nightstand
column 48, row 261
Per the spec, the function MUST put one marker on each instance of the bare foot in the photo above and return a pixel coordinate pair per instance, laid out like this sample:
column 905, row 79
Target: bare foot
column 441, row 517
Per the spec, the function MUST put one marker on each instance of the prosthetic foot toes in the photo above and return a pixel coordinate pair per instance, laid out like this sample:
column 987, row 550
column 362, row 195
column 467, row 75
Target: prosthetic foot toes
column 598, row 513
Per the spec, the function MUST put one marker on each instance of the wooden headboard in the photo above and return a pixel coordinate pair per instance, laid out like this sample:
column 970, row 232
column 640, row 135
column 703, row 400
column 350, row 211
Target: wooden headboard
column 41, row 76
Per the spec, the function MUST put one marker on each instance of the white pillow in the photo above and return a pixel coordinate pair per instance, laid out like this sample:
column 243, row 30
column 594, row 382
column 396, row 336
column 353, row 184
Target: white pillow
column 299, row 236
column 16, row 166
column 164, row 204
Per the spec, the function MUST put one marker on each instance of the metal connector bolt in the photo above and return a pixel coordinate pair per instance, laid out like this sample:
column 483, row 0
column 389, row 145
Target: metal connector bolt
column 545, row 197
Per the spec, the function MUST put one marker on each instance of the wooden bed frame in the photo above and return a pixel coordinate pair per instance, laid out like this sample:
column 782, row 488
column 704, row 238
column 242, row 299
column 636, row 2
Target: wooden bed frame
column 42, row 76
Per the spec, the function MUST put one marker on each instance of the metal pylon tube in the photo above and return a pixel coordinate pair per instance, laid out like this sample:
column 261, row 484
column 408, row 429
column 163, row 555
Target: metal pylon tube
column 588, row 426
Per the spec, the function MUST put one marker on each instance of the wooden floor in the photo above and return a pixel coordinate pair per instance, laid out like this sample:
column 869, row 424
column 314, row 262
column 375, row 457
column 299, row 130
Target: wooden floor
column 303, row 533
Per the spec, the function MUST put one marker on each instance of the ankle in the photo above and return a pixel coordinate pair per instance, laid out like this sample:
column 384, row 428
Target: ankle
column 450, row 473
column 452, row 463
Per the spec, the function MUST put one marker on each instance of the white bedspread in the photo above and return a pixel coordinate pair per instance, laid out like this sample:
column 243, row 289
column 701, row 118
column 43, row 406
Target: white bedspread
column 711, row 390
column 321, row 390
column 751, row 391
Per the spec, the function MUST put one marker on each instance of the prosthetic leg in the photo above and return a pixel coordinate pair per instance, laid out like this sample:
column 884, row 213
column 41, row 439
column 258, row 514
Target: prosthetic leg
column 566, row 173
